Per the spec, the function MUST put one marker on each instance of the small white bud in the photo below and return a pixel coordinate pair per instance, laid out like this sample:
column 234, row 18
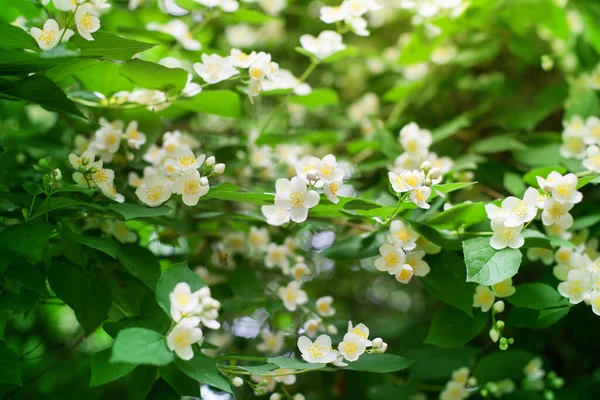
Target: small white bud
column 499, row 306
column 586, row 300
column 427, row 182
column 203, row 292
column 332, row 330
column 204, row 181
column 494, row 335
column 219, row 168
column 383, row 348
column 311, row 176
column 237, row 381
column 57, row 174
column 275, row 396
column 500, row 324
column 210, row 161
column 434, row 173
column 426, row 166
column 299, row 396
column 377, row 342
column 472, row 382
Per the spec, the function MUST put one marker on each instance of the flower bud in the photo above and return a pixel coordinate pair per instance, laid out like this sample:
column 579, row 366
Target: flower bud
column 503, row 346
column 377, row 343
column 332, row 330
column 299, row 396
column 500, row 324
column 43, row 163
column 311, row 176
column 210, row 161
column 264, row 382
column 427, row 182
column 547, row 62
column 82, row 169
column 57, row 174
column 383, row 348
column 510, row 340
column 275, row 396
column 498, row 306
column 472, row 382
column 426, row 166
column 93, row 170
column 204, row 181
column 494, row 334
column 548, row 395
column 219, row 168
column 237, row 381
column 435, row 173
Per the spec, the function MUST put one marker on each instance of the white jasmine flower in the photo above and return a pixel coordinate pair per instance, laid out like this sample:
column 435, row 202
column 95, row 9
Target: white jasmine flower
column 461, row 375
column 505, row 236
column 324, row 45
column 402, row 236
column 443, row 54
column 391, row 259
column 191, row 187
column 183, row 301
column 483, row 298
column 186, row 160
column 517, row 212
column 544, row 255
column 504, row 288
column 306, row 168
column 324, row 307
column 275, row 216
column 261, row 156
column 415, row 72
column 311, row 327
column 533, row 370
column 414, row 140
column 215, row 68
column 277, row 256
column 361, row 330
column 100, row 4
column 236, row 242
column 573, row 146
column 318, row 352
column 66, row 5
column 576, row 126
column 273, row 7
column 86, row 21
column 595, row 301
column 180, row 31
column 592, row 160
column 153, row 155
column 225, row 5
column 577, row 286
column 287, row 80
column 415, row 260
column 557, row 213
column 155, row 191
column 300, row 271
column 593, row 131
column 111, row 192
column 331, row 190
column 454, row 391
column 298, row 200
column 330, row 15
column 272, row 342
column 49, row 36
column 240, row 59
column 120, row 231
column 191, row 89
column 292, row 296
column 259, row 238
column 352, row 346
column 103, row 177
column 404, row 274
column 135, row 138
column 262, row 67
column 85, row 159
column 420, row 195
column 565, row 189
column 327, row 169
column 153, row 99
column 183, row 336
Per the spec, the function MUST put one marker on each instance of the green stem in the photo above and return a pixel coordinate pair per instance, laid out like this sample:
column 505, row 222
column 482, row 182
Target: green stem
column 241, row 358
column 68, row 23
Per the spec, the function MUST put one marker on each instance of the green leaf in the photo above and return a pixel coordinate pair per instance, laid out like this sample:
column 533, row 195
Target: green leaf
column 103, row 77
column 465, row 215
column 103, row 244
column 403, row 90
column 353, row 248
column 141, row 263
column 447, row 281
column 451, row 187
column 132, row 211
column 537, row 296
column 497, row 144
column 294, row 363
column 260, row 369
column 585, row 104
column 41, row 90
column 154, row 76
column 536, row 239
column 348, row 52
column 28, row 240
column 380, row 363
column 10, row 366
column 111, row 47
column 317, row 98
column 204, row 370
column 388, row 391
column 28, row 276
column 18, row 62
column 501, row 365
column 69, row 67
column 435, row 237
column 246, row 15
column 170, row 278
column 89, row 298
column 141, row 346
column 183, row 384
column 142, row 380
column 488, row 266
column 219, row 102
column 514, row 184
column 451, row 327
column 13, row 37
column 104, row 371
column 387, row 143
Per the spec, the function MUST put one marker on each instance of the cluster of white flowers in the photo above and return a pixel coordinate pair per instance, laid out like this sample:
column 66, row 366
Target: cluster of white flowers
column 354, row 344
column 175, row 170
column 431, row 8
column 400, row 256
column 189, row 310
column 485, row 296
column 559, row 195
column 581, row 140
column 215, row 68
column 580, row 275
column 324, row 45
column 538, row 380
column 295, row 197
column 350, row 13
column 107, row 139
column 90, row 173
column 86, row 20
column 456, row 388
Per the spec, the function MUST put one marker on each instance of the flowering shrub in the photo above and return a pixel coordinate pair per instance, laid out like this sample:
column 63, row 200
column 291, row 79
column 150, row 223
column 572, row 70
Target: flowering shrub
column 288, row 199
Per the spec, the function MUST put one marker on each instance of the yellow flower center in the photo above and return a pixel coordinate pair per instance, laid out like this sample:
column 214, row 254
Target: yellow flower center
column 501, row 288
column 47, row 37
column 134, row 134
column 256, row 73
column 186, row 161
column 404, row 274
column 565, row 189
column 420, row 195
column 360, row 333
column 403, row 234
column 399, row 181
column 182, row 298
column 575, row 287
column 291, row 296
column 191, row 186
column 557, row 211
column 323, row 307
column 520, row 209
column 112, row 138
column 507, row 233
column 316, row 351
column 297, row 199
column 155, row 193
column 101, row 176
column 412, row 180
column 182, row 339
column 327, row 170
column 350, row 348
column 391, row 260
column 412, row 146
column 87, row 22
column 333, row 188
